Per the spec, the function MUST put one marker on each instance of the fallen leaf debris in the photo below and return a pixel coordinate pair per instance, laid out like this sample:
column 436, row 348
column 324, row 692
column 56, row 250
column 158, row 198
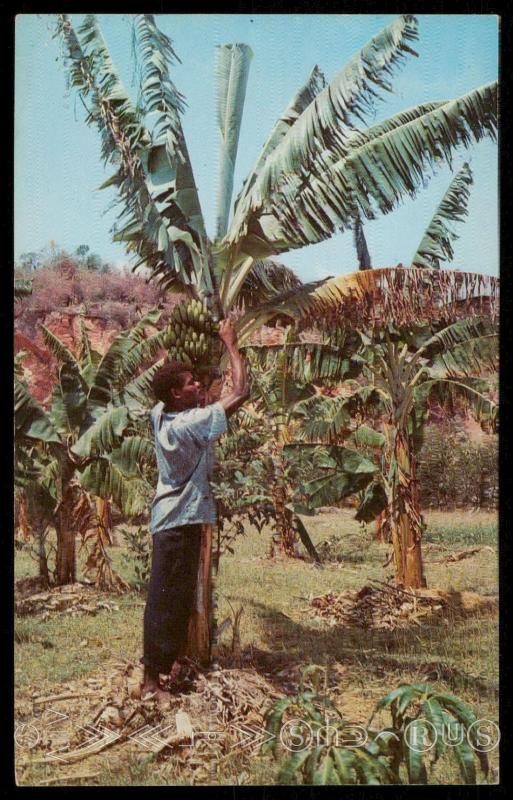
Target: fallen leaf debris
column 74, row 599
column 381, row 606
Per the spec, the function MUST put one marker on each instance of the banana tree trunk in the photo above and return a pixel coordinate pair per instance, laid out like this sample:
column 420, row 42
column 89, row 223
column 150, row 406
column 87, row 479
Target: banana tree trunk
column 30, row 523
column 22, row 517
column 66, row 561
column 44, row 575
column 199, row 636
column 403, row 510
column 65, row 567
column 404, row 515
column 285, row 534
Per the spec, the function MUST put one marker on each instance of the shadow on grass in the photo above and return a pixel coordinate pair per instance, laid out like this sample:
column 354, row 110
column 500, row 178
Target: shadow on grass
column 420, row 650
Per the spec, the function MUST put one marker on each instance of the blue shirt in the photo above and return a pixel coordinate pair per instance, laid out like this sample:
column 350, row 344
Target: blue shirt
column 184, row 445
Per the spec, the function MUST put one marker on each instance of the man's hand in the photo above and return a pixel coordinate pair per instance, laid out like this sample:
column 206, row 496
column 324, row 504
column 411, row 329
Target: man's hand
column 227, row 332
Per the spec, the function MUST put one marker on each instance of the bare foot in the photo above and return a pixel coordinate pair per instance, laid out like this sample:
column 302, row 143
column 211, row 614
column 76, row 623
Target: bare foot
column 152, row 689
column 176, row 670
column 163, row 700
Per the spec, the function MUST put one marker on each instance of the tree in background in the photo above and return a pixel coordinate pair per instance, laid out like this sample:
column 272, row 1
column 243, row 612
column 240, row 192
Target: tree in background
column 88, row 260
column 28, row 262
column 82, row 251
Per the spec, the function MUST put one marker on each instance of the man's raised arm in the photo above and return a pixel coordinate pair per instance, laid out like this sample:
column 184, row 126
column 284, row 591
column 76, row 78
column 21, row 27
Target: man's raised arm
column 240, row 387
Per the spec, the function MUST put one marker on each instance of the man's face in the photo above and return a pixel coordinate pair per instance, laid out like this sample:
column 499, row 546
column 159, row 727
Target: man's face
column 191, row 394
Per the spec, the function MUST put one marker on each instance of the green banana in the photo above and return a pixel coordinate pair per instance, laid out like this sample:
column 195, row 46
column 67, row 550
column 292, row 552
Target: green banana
column 191, row 330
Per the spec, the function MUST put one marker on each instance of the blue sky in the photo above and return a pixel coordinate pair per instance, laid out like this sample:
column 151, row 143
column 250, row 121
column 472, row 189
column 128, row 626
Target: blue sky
column 57, row 161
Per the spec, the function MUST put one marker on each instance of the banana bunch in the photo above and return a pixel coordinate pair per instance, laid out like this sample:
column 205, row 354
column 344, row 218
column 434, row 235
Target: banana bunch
column 190, row 333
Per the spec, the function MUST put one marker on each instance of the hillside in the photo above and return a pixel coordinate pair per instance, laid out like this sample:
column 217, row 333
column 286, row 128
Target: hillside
column 63, row 294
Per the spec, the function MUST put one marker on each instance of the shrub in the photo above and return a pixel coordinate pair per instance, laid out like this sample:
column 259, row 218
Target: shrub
column 455, row 471
column 94, row 285
column 52, row 289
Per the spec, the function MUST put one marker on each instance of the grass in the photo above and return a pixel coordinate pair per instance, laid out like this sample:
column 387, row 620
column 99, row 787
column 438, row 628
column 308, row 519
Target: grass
column 462, row 528
column 460, row 656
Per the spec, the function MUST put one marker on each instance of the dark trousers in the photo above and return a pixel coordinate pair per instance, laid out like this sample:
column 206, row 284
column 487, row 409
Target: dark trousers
column 171, row 591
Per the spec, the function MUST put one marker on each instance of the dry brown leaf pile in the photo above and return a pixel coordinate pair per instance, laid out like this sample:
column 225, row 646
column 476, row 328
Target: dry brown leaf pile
column 74, row 598
column 384, row 607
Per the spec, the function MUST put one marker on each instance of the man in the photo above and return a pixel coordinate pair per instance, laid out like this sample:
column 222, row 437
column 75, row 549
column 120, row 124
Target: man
column 185, row 434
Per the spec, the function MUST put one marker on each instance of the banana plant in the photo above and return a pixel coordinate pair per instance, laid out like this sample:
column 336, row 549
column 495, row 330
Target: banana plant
column 34, row 478
column 283, row 379
column 406, row 373
column 317, row 172
column 274, row 393
column 400, row 369
column 321, row 169
column 92, row 434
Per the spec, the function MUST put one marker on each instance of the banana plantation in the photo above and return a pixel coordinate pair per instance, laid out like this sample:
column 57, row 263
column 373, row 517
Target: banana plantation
column 329, row 593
